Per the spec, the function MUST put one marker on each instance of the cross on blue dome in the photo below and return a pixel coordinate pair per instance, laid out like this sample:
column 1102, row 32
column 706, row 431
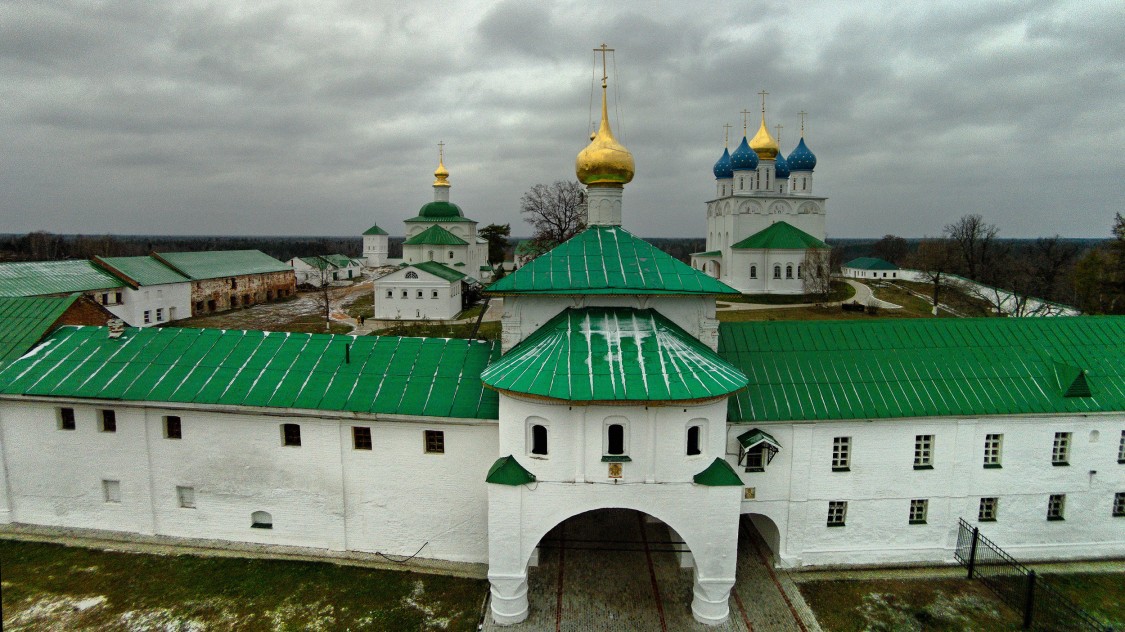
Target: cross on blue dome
column 801, row 159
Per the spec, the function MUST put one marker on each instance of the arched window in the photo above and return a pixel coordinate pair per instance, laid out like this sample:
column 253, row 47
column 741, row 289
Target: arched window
column 693, row 441
column 615, row 439
column 777, row 271
column 539, row 439
column 753, row 272
column 412, row 275
column 261, row 520
column 789, row 271
column 450, row 254
column 798, row 270
column 741, row 184
column 431, row 255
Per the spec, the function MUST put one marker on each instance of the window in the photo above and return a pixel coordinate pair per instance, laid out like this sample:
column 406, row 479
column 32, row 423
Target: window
column 1121, row 448
column 172, row 429
column 924, row 452
column 291, row 434
column 777, row 272
column 390, row 293
column 615, row 439
column 105, row 299
column 107, row 420
column 148, row 317
column 410, row 274
column 756, row 459
column 112, row 491
column 361, row 438
column 419, row 294
column 450, row 254
column 918, row 509
column 1119, row 505
column 841, row 454
column 434, row 294
column 186, row 496
column 159, row 314
column 993, row 444
column 753, row 272
column 988, row 509
column 1056, row 505
column 1060, row 451
column 693, row 441
column 234, row 284
column 789, row 271
column 405, row 294
column 837, row 512
column 435, row 442
column 261, row 520
column 539, row 439
column 798, row 270
column 66, row 419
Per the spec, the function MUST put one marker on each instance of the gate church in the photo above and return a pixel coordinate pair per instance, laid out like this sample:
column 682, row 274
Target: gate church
column 613, row 386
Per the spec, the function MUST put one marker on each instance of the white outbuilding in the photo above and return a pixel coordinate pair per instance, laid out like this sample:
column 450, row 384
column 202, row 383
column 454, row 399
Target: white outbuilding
column 419, row 291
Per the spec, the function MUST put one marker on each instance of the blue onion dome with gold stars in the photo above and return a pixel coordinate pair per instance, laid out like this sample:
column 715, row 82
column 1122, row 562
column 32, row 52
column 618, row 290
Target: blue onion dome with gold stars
column 781, row 166
column 723, row 168
column 743, row 158
column 801, row 159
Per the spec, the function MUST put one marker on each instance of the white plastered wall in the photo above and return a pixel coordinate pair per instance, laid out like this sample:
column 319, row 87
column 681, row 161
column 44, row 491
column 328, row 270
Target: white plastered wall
column 446, row 305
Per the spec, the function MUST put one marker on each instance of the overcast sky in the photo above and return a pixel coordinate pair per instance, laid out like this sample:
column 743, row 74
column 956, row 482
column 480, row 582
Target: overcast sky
column 320, row 118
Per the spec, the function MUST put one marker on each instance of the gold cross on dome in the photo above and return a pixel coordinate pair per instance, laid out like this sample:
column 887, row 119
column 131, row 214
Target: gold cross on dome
column 726, row 134
column 778, row 127
column 803, row 115
column 763, row 94
column 603, row 49
column 441, row 150
column 744, row 114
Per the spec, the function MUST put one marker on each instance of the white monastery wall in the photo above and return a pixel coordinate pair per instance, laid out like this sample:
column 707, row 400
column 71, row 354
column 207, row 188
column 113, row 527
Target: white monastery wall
column 393, row 499
column 763, row 261
column 426, row 297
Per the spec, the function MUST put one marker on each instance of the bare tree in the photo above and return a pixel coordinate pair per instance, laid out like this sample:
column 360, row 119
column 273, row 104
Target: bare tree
column 890, row 248
column 321, row 279
column 935, row 259
column 976, row 243
column 816, row 273
column 556, row 211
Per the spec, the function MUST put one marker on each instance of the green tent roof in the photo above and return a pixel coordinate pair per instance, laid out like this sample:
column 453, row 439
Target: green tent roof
column 780, row 236
column 435, row 236
column 23, row 321
column 434, row 377
column 37, row 278
column 870, row 263
column 718, row 474
column 607, row 260
column 214, row 264
column 507, row 471
column 143, row 270
column 375, row 230
column 924, row 367
column 613, row 354
column 438, row 270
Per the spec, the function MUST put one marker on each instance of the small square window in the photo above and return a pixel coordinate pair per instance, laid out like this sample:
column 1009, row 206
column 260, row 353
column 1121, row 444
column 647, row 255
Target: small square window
column 172, row 429
column 112, row 491
column 924, row 452
column 107, row 420
column 419, row 294
column 993, row 445
column 159, row 314
column 1056, row 506
column 837, row 512
column 186, row 496
column 390, row 293
column 434, row 294
column 1121, row 448
column 435, row 442
column 148, row 317
column 755, row 459
column 361, row 438
column 841, row 454
column 405, row 294
column 291, row 435
column 1060, row 450
column 66, row 419
column 988, row 509
column 1119, row 505
column 918, row 509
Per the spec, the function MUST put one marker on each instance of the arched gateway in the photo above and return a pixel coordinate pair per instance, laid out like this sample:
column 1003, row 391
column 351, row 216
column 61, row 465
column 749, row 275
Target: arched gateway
column 611, row 396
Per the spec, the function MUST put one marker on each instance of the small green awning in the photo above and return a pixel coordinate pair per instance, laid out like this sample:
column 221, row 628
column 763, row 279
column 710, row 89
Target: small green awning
column 507, row 471
column 755, row 437
column 1072, row 380
column 718, row 474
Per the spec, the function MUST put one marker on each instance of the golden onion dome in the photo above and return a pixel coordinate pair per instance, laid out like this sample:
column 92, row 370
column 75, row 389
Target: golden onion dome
column 441, row 174
column 763, row 144
column 604, row 162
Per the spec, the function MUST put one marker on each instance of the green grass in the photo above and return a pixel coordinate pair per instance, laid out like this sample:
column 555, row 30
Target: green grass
column 472, row 312
column 363, row 305
column 938, row 605
column 43, row 582
column 958, row 300
column 1099, row 594
column 489, row 330
column 841, row 291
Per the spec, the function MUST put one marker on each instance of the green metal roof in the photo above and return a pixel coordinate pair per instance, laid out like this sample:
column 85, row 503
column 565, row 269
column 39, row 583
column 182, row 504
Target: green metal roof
column 755, row 437
column 214, row 264
column 434, row 377
column 780, row 236
column 507, row 471
column 709, row 253
column 375, row 230
column 36, row 278
column 435, row 236
column 340, row 261
column 440, row 220
column 613, row 354
column 440, row 210
column 438, row 270
column 23, row 321
column 718, row 474
column 318, row 262
column 607, row 260
column 144, row 270
column 870, row 263
column 871, row 369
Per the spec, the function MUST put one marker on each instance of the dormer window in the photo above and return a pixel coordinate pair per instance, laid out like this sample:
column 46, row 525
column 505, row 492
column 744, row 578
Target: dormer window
column 756, row 449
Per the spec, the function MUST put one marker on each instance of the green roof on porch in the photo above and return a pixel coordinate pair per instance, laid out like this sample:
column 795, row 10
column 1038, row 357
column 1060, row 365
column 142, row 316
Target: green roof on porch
column 718, row 474
column 507, row 471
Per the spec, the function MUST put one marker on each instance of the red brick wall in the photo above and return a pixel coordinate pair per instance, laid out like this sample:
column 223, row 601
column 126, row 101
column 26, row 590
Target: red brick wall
column 217, row 295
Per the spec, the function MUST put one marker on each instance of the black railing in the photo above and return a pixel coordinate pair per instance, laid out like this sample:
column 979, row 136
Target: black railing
column 1042, row 607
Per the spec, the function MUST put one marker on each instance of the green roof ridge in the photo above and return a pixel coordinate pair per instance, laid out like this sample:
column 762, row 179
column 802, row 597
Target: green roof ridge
column 780, row 236
column 214, row 264
column 507, row 471
column 435, row 236
column 375, row 230
column 607, row 260
column 718, row 474
column 438, row 269
column 38, row 278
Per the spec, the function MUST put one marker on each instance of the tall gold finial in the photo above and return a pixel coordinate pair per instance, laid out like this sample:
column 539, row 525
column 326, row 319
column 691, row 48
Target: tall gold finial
column 763, row 144
column 441, row 174
column 726, row 135
column 744, row 114
column 803, row 115
column 604, row 162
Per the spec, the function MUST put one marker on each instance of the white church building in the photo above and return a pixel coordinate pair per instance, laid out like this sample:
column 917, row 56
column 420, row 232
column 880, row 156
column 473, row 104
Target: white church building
column 613, row 386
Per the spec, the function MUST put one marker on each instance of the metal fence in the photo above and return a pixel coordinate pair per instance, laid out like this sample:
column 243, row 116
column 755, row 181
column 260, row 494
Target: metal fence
column 1042, row 607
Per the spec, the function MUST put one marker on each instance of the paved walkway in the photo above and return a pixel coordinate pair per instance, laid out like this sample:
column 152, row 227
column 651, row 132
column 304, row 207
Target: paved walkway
column 863, row 295
column 614, row 570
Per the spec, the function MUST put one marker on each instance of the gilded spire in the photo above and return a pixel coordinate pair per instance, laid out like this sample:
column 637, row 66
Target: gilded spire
column 604, row 162
column 441, row 174
column 763, row 144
